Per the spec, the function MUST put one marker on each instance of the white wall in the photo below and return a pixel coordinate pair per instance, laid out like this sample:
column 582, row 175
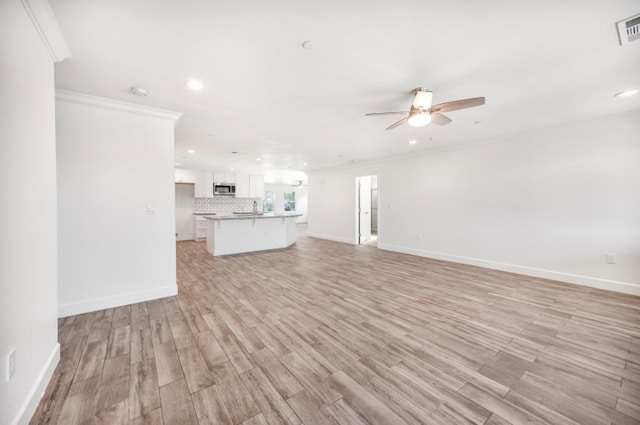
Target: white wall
column 28, row 264
column 548, row 203
column 114, row 158
column 302, row 197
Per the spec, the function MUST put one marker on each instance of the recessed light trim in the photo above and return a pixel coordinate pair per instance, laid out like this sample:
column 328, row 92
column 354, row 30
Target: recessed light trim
column 413, row 141
column 258, row 159
column 304, row 164
column 627, row 93
column 139, row 91
column 194, row 84
column 308, row 45
column 177, row 163
column 190, row 151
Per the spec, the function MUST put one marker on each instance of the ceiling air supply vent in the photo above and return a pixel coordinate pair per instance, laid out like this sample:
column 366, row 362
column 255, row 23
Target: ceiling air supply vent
column 629, row 29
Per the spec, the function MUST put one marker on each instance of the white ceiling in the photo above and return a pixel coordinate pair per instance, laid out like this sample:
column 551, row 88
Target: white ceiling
column 538, row 63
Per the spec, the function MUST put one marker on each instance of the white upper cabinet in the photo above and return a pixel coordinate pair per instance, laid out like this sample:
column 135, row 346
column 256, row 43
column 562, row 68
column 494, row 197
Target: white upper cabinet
column 256, row 186
column 242, row 186
column 204, row 184
column 185, row 176
column 249, row 186
column 220, row 177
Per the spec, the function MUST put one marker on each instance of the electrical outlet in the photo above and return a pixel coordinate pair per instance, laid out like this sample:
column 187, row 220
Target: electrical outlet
column 610, row 258
column 11, row 364
column 150, row 210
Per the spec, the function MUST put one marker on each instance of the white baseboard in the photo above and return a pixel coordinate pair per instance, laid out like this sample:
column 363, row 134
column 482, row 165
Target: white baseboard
column 331, row 238
column 185, row 238
column 593, row 282
column 95, row 304
column 30, row 404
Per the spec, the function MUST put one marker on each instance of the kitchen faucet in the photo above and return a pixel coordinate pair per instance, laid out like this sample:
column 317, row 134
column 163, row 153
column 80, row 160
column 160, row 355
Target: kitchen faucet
column 255, row 207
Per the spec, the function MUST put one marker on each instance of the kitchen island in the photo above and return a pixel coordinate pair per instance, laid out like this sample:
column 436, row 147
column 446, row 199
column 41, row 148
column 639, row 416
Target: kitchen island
column 238, row 233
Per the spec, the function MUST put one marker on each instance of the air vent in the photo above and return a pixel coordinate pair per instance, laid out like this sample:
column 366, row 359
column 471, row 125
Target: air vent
column 629, row 30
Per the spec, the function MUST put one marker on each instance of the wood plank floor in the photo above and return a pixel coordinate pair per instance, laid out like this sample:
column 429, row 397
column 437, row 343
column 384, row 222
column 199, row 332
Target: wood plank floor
column 329, row 333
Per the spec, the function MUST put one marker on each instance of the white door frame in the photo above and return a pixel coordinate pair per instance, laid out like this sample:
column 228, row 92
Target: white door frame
column 357, row 209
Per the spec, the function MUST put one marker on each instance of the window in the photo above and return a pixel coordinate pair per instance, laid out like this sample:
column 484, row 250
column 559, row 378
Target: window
column 289, row 201
column 267, row 203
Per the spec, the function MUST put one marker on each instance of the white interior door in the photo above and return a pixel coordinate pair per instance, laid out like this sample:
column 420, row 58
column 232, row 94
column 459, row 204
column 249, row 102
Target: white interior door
column 184, row 212
column 364, row 196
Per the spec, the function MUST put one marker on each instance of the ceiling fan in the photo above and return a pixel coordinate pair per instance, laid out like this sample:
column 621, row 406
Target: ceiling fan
column 422, row 111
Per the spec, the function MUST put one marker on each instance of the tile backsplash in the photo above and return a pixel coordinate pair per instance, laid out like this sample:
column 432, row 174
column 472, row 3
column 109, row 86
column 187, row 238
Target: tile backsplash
column 224, row 205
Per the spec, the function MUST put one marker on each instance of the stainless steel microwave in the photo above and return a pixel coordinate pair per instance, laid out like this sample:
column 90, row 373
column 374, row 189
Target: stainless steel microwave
column 226, row 189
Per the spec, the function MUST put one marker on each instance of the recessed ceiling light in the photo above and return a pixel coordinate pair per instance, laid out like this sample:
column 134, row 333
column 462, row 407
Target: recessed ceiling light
column 413, row 141
column 177, row 163
column 305, row 164
column 627, row 93
column 139, row 91
column 191, row 151
column 476, row 122
column 308, row 45
column 258, row 159
column 194, row 84
column 232, row 168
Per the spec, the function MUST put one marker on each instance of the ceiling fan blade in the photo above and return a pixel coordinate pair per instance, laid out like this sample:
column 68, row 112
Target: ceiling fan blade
column 387, row 113
column 397, row 123
column 458, row 104
column 439, row 119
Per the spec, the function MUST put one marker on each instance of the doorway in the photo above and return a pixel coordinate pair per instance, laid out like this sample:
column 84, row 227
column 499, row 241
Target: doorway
column 184, row 212
column 367, row 210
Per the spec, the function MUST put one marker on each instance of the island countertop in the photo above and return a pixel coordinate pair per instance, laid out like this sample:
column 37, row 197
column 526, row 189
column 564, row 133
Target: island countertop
column 249, row 216
column 238, row 233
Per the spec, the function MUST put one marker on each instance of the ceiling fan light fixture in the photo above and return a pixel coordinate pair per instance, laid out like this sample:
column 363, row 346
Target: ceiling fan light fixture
column 419, row 120
column 423, row 99
column 422, row 112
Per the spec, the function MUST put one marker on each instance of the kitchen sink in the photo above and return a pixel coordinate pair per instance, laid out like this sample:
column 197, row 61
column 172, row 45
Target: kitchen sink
column 247, row 213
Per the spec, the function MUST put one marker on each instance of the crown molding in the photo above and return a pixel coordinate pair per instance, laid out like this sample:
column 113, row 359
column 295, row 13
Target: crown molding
column 46, row 25
column 87, row 99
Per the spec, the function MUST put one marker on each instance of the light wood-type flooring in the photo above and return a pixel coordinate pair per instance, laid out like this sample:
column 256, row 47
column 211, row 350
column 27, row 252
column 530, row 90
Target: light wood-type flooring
column 330, row 333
